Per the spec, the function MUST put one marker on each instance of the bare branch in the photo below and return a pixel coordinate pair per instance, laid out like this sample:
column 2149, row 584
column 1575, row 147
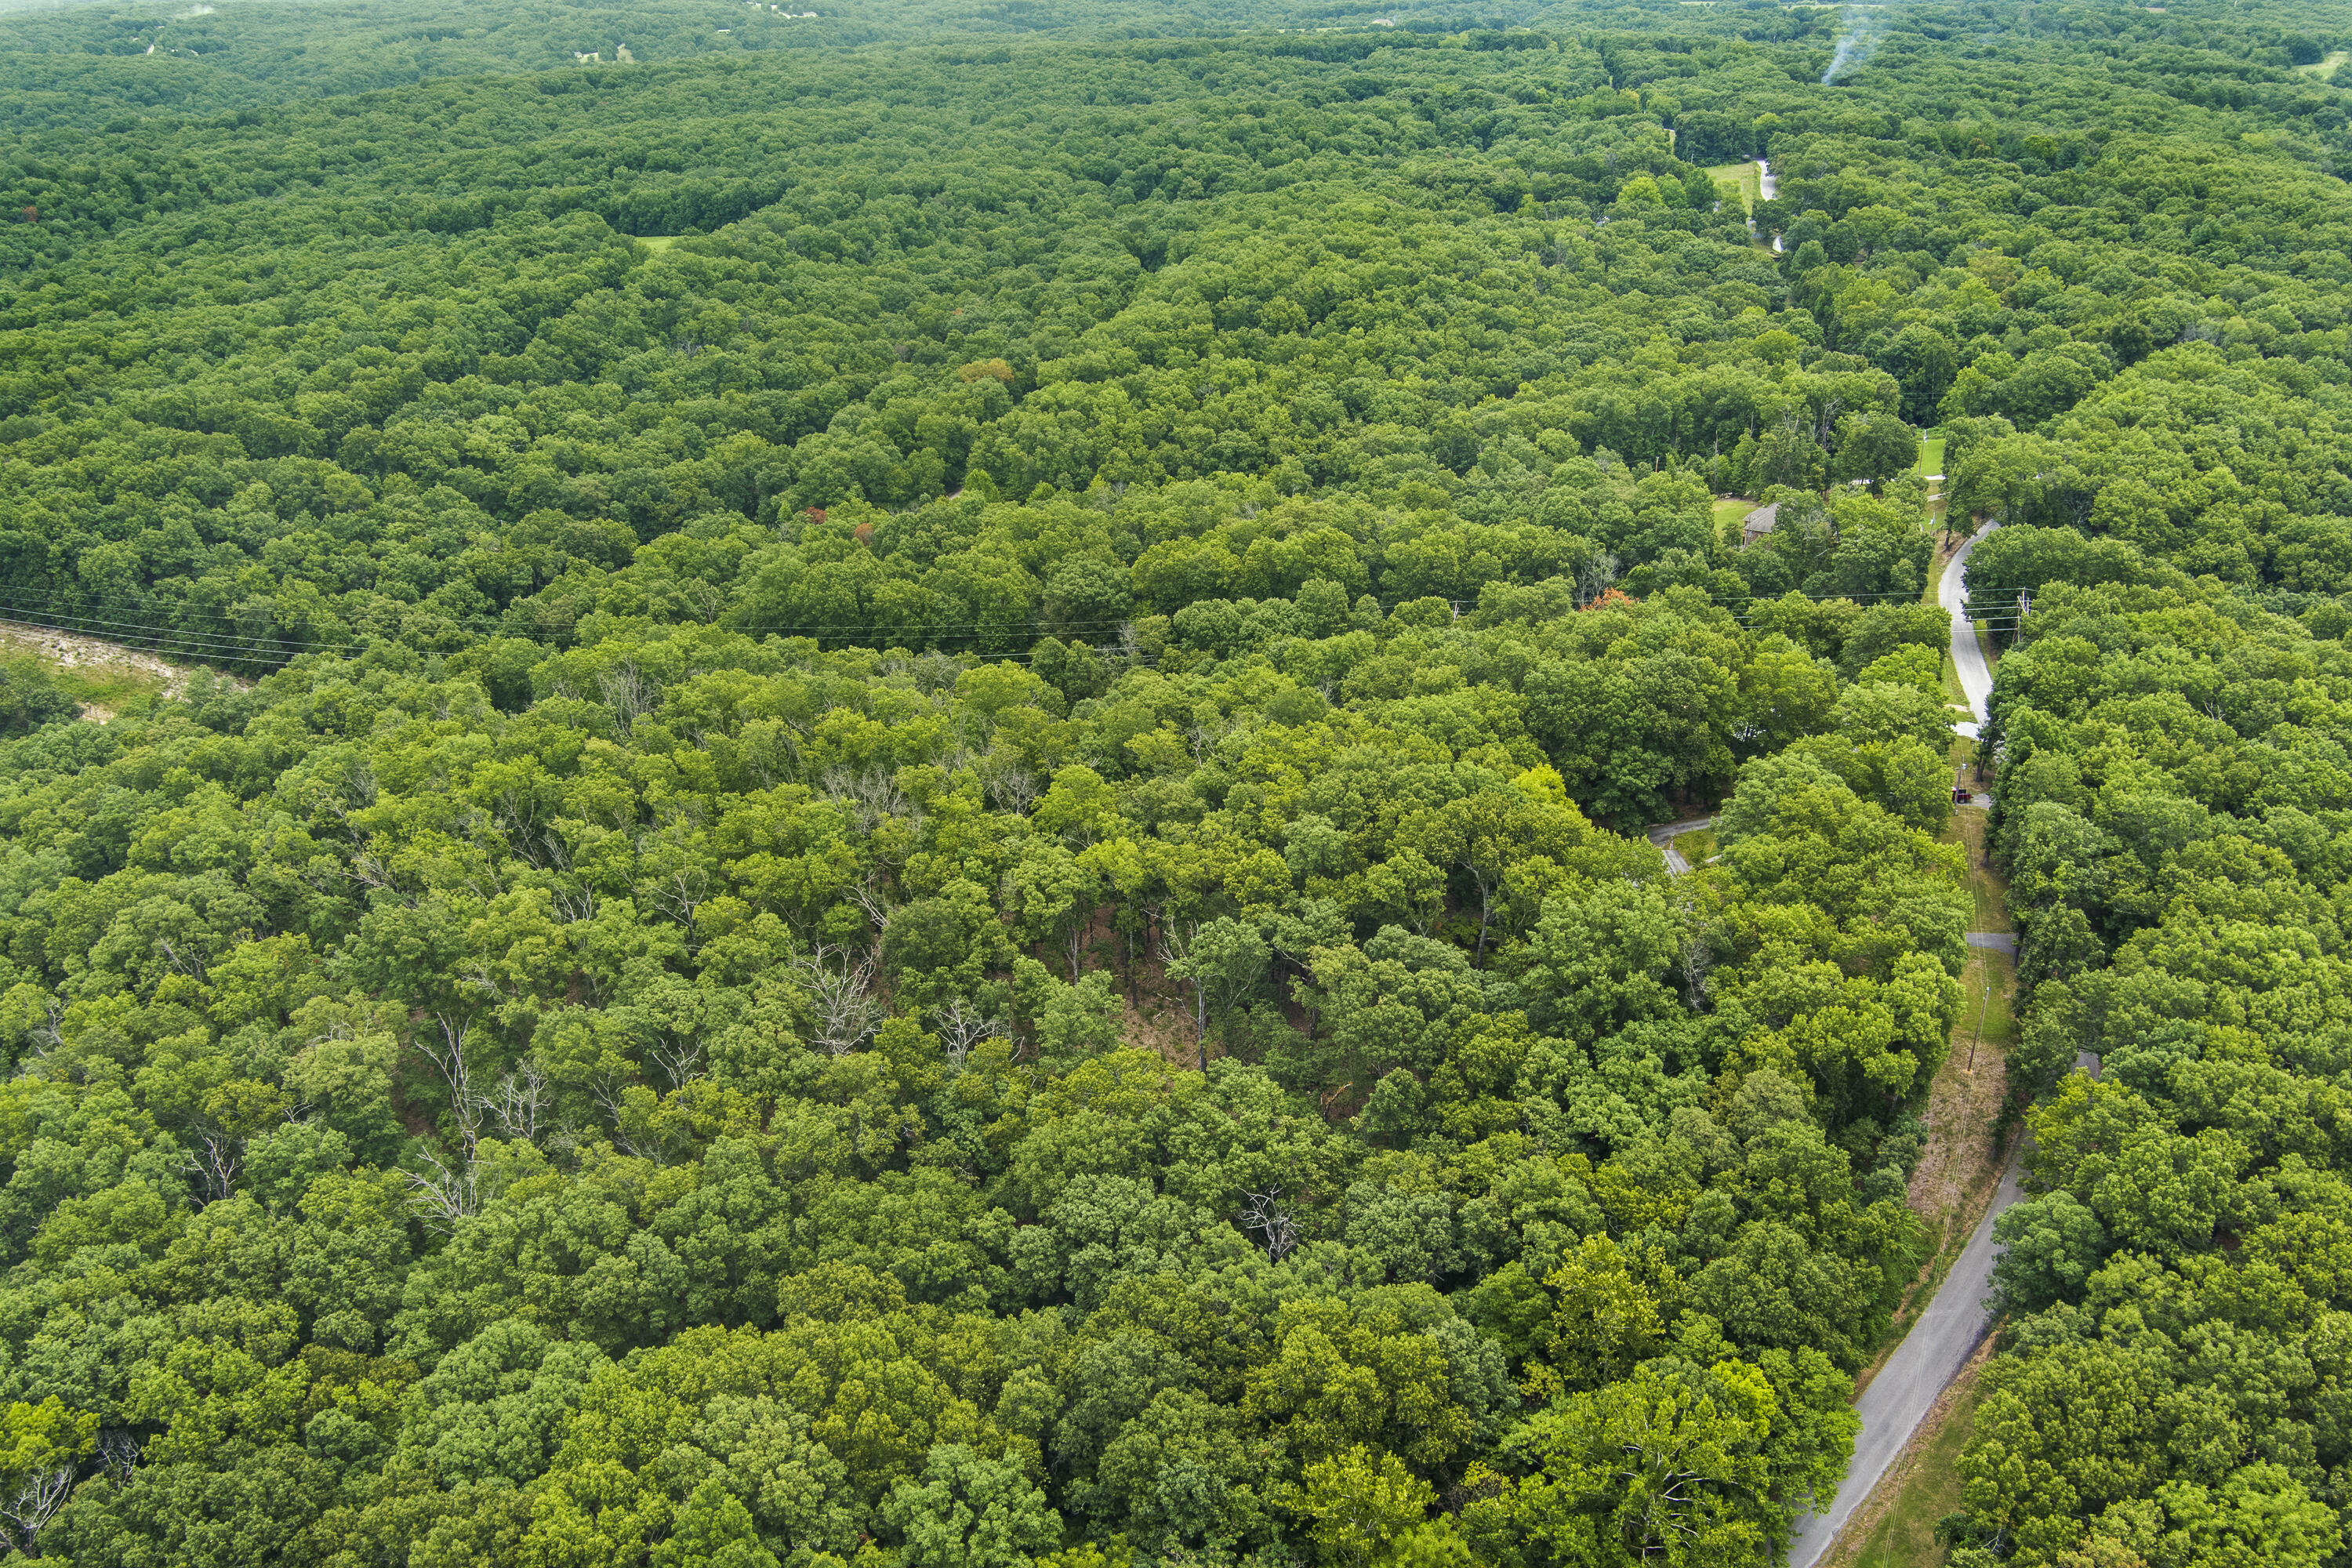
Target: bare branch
column 43, row 1493
column 448, row 1056
column 447, row 1195
column 217, row 1159
column 519, row 1103
column 681, row 1061
column 370, row 871
column 576, row 905
column 118, row 1451
column 869, row 793
column 961, row 1026
column 841, row 994
column 1277, row 1229
column 680, row 894
column 629, row 693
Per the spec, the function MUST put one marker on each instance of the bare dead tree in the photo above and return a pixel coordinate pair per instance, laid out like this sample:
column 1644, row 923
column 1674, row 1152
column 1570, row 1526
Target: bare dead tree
column 681, row 893
column 1595, row 577
column 1009, row 783
column 607, row 1091
column 447, row 1055
column 1277, row 1228
column 629, row 693
column 516, row 823
column 448, row 1196
column 934, row 672
column 1699, row 961
column 681, row 1060
column 519, row 1103
column 869, row 793
column 868, row 895
column 218, row 1159
column 1202, row 739
column 118, row 1453
column 43, row 1493
column 961, row 1026
column 194, row 968
column 370, row 871
column 841, row 994
column 576, row 906
column 1175, row 950
column 49, row 1035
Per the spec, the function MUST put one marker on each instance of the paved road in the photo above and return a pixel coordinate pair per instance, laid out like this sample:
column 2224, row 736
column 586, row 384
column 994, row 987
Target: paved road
column 1663, row 837
column 1941, row 1337
column 1898, row 1398
column 1968, row 657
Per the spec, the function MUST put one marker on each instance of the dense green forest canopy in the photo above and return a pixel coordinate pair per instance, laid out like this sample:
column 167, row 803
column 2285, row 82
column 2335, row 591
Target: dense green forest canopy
column 913, row 836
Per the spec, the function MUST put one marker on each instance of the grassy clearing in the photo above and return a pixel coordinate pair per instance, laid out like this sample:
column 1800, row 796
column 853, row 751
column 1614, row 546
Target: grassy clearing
column 1746, row 178
column 1727, row 513
column 1985, row 886
column 2326, row 68
column 657, row 243
column 106, row 680
column 1933, row 592
column 1896, row 1527
column 1697, row 848
column 1987, row 1028
column 105, row 691
column 1931, row 456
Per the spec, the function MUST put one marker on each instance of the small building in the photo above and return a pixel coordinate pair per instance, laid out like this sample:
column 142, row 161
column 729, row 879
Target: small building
column 1759, row 523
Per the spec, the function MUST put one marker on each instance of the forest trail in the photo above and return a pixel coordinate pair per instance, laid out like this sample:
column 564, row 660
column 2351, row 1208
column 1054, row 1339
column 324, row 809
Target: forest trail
column 1947, row 1330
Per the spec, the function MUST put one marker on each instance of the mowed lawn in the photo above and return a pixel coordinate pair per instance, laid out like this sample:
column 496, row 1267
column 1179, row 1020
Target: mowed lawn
column 1931, row 455
column 1743, row 177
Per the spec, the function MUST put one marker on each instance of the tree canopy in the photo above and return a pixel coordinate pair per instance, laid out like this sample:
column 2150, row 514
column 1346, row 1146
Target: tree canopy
column 913, row 832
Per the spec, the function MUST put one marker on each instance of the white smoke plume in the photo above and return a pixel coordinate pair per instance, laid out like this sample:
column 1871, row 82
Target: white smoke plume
column 1861, row 40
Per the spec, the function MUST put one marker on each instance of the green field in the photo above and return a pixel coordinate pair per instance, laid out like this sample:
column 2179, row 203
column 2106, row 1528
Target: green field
column 1729, row 512
column 2326, row 68
column 1931, row 455
column 112, row 689
column 1745, row 178
column 658, row 242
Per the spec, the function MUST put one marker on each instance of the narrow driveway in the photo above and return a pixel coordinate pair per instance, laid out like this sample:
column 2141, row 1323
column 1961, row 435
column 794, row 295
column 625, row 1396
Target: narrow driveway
column 1665, row 835
column 1968, row 657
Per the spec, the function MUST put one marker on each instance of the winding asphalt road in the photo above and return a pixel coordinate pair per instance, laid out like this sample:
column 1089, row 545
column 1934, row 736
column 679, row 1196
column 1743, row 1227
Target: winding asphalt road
column 1943, row 1336
column 1967, row 654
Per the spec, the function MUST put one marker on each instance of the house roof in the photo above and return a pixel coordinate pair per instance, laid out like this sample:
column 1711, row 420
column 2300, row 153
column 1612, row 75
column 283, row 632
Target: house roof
column 1762, row 520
